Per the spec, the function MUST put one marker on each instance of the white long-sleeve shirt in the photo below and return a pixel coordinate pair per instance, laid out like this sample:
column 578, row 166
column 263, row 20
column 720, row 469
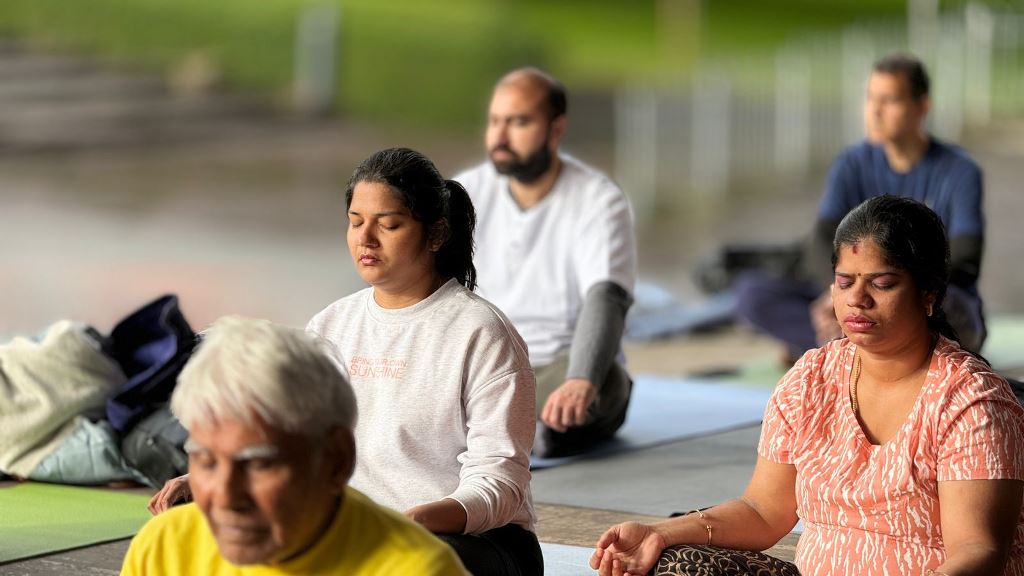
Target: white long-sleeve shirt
column 446, row 403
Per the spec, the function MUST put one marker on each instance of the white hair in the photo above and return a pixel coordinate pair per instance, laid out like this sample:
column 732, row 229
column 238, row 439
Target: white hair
column 246, row 367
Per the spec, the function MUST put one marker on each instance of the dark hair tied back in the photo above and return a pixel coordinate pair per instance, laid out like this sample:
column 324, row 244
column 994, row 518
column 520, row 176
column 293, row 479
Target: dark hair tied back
column 443, row 206
column 912, row 238
column 455, row 257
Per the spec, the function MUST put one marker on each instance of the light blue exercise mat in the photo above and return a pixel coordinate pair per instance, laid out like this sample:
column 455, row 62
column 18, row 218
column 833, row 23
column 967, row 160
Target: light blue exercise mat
column 664, row 410
column 1004, row 347
column 564, row 560
column 44, row 518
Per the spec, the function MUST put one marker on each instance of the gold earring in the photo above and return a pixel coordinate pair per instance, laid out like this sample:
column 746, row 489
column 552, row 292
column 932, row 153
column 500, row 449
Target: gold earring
column 929, row 310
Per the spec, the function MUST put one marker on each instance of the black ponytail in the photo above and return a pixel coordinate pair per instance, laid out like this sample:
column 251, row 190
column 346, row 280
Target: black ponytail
column 938, row 322
column 443, row 206
column 455, row 257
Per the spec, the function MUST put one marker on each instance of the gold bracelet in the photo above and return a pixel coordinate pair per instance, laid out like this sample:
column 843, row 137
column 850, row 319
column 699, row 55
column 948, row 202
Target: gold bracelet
column 707, row 526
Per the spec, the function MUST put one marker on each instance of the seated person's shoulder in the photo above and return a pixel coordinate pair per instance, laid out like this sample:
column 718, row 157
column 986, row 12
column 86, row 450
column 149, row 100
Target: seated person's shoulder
column 955, row 157
column 964, row 373
column 396, row 545
column 590, row 181
column 475, row 179
column 826, row 359
column 487, row 316
column 475, row 320
column 817, row 373
column 382, row 543
column 180, row 521
column 860, row 154
column 477, row 310
column 177, row 538
column 339, row 311
column 481, row 170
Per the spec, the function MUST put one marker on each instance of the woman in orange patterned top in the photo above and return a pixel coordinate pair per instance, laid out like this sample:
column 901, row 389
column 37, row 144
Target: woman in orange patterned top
column 902, row 453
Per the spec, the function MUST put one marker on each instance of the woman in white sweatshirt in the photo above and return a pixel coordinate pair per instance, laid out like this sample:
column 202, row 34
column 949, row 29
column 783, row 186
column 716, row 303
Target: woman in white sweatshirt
column 443, row 382
column 442, row 379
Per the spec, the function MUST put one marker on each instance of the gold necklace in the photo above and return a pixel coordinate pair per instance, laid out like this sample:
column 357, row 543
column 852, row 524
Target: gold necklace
column 854, row 378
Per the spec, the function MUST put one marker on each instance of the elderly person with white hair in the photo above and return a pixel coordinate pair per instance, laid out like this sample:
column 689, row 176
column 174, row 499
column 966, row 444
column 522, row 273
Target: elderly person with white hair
column 271, row 451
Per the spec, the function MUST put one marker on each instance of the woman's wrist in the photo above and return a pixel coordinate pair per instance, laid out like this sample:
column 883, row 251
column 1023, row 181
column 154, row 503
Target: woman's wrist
column 692, row 528
column 705, row 523
column 445, row 516
column 662, row 535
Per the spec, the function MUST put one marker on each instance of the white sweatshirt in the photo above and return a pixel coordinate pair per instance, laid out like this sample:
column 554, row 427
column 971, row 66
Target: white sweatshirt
column 446, row 403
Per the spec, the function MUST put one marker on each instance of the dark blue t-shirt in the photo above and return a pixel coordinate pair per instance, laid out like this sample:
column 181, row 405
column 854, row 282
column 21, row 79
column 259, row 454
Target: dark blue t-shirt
column 946, row 179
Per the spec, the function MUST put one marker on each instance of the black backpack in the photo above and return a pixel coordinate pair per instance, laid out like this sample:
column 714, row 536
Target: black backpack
column 151, row 346
column 155, row 447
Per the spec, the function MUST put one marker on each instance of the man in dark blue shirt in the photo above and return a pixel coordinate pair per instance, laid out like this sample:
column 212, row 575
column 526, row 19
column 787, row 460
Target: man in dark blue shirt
column 899, row 158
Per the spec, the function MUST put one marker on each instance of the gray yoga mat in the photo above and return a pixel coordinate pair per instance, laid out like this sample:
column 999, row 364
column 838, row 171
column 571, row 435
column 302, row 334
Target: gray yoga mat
column 664, row 410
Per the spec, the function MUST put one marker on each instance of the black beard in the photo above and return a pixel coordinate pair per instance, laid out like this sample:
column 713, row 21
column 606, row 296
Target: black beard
column 528, row 170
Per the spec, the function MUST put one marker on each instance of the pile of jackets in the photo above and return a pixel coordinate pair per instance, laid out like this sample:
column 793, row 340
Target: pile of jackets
column 78, row 407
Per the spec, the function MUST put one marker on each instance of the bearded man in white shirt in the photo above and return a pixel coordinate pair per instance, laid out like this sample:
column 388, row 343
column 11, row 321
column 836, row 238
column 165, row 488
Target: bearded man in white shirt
column 555, row 251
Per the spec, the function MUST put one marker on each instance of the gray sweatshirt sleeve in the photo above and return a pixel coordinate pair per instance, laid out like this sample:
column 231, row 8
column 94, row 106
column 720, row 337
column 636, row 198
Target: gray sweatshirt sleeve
column 499, row 406
column 495, row 476
column 598, row 335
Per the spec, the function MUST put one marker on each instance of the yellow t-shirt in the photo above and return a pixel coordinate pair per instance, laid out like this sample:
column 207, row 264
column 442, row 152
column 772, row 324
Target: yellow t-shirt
column 364, row 539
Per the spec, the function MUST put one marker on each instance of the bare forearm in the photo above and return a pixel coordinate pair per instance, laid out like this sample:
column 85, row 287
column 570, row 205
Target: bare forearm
column 979, row 520
column 973, row 560
column 444, row 516
column 734, row 524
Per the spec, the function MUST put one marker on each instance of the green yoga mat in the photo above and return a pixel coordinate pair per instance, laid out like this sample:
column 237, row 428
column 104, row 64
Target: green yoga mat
column 44, row 518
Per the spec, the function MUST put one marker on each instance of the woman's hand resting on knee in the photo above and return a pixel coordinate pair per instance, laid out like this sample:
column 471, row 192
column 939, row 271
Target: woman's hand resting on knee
column 627, row 549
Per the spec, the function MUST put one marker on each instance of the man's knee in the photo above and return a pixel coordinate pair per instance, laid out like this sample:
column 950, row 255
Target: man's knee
column 605, row 416
column 549, row 377
column 755, row 294
column 964, row 312
column 613, row 395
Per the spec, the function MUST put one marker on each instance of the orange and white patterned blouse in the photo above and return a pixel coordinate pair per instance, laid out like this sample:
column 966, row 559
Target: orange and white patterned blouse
column 874, row 509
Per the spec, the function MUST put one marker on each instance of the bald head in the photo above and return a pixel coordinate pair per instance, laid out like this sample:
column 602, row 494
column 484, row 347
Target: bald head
column 534, row 80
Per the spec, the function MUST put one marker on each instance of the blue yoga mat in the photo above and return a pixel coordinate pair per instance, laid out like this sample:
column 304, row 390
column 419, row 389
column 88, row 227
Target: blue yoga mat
column 563, row 560
column 656, row 313
column 664, row 410
column 1004, row 347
